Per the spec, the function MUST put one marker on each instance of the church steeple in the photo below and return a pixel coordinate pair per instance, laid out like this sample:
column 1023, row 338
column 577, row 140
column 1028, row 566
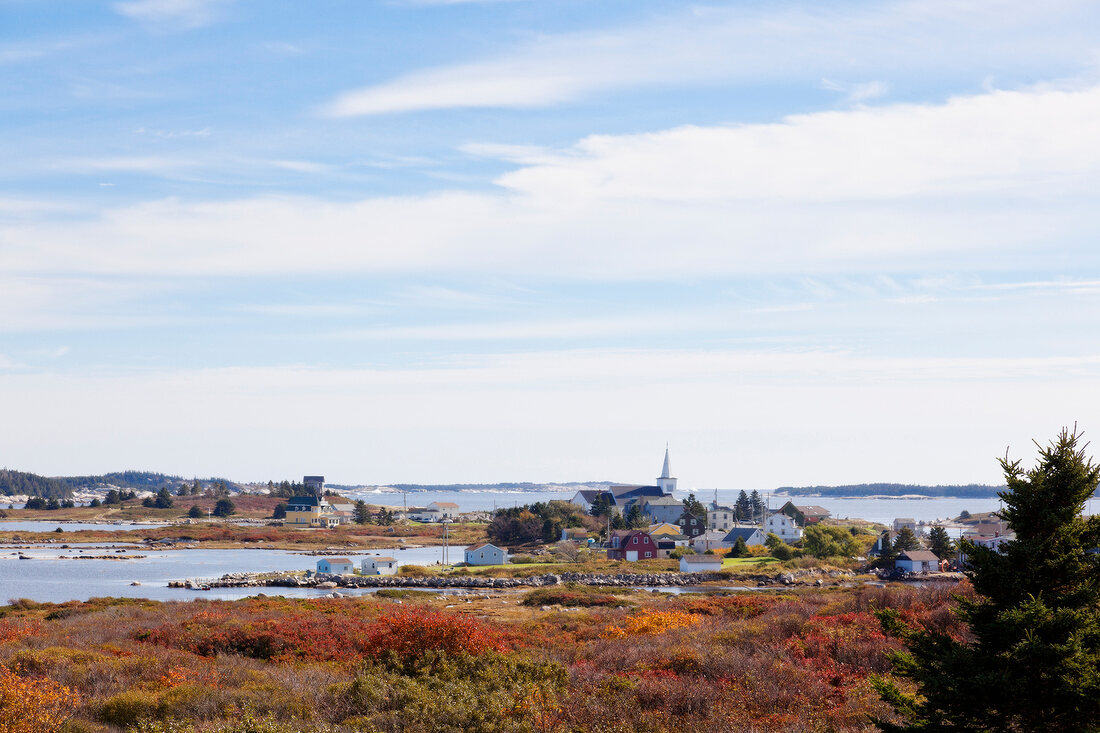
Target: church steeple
column 666, row 481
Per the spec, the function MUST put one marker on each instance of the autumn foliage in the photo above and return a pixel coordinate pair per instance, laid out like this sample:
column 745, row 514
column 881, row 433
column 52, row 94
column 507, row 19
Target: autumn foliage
column 759, row 661
column 33, row 705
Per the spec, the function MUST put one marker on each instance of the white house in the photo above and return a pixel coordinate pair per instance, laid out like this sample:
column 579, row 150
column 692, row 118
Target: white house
column 783, row 526
column 437, row 511
column 335, row 566
column 917, row 561
column 720, row 518
column 378, row 566
column 485, row 554
column 700, row 563
column 909, row 522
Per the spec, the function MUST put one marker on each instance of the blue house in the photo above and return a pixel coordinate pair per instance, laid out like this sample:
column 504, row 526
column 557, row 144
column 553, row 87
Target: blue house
column 485, row 554
column 335, row 566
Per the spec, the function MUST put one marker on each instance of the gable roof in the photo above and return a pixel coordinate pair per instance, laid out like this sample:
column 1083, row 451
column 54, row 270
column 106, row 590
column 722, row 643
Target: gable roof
column 382, row 559
column 744, row 532
column 918, row 556
column 664, row 528
column 588, row 495
column 445, row 504
column 632, row 491
column 663, row 500
column 332, row 560
column 907, row 520
column 482, row 545
column 303, row 501
column 813, row 510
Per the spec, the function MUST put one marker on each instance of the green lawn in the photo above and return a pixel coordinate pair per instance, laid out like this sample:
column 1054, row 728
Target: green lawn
column 746, row 562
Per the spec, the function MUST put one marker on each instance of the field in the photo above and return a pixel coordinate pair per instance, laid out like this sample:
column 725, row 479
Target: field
column 554, row 659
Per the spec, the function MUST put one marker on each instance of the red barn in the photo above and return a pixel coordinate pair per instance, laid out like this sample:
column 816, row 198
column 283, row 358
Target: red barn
column 631, row 545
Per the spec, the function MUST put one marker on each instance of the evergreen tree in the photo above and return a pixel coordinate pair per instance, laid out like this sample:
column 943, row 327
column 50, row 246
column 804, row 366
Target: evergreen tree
column 694, row 506
column 601, row 506
column 757, row 506
column 94, row 503
column 739, row 549
column 53, row 503
column 279, row 511
column 1031, row 661
column 634, row 516
column 164, row 499
column 362, row 513
column 194, row 512
column 906, row 540
column 112, row 498
column 743, row 507
column 224, row 508
column 940, row 544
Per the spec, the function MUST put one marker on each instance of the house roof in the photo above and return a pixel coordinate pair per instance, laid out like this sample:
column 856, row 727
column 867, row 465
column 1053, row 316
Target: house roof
column 633, row 491
column 335, row 559
column 383, row 559
column 481, row 545
column 589, row 495
column 664, row 528
column 445, row 504
column 918, row 556
column 906, row 520
column 812, row 510
column 663, row 500
column 711, row 535
column 303, row 501
column 745, row 532
column 701, row 559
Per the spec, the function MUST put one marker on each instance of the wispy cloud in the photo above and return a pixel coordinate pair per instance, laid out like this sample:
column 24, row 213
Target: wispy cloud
column 897, row 186
column 722, row 45
column 184, row 14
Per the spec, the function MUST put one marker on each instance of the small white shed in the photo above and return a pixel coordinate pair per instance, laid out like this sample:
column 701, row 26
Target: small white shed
column 378, row 566
column 700, row 563
column 485, row 554
column 917, row 561
column 335, row 566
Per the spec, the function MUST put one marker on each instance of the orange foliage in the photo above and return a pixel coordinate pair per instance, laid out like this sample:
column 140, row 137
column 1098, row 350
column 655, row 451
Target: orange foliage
column 33, row 705
column 649, row 622
column 12, row 629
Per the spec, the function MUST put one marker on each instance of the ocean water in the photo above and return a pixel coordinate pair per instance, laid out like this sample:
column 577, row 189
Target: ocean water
column 52, row 575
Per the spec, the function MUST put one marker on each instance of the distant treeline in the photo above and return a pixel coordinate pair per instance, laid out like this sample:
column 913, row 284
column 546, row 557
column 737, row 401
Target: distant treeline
column 964, row 491
column 31, row 484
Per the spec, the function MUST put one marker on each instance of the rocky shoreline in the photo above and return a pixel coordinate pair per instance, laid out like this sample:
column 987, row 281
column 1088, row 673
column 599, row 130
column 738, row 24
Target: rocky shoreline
column 626, row 580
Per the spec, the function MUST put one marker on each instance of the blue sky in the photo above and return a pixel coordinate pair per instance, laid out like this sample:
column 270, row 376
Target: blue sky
column 456, row 241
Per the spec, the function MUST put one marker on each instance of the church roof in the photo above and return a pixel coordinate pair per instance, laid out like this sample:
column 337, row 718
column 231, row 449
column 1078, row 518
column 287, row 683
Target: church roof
column 666, row 470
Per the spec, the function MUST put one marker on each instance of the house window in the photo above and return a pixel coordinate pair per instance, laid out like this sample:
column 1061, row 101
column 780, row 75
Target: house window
column 634, row 540
column 648, row 553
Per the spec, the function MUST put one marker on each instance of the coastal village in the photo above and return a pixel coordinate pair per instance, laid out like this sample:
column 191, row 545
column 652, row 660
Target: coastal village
column 703, row 538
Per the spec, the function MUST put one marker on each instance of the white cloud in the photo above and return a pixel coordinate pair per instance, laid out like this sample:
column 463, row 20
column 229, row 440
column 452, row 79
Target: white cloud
column 753, row 44
column 178, row 13
column 897, row 186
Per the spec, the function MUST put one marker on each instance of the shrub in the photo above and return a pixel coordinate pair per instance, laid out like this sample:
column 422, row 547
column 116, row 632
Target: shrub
column 569, row 597
column 33, row 705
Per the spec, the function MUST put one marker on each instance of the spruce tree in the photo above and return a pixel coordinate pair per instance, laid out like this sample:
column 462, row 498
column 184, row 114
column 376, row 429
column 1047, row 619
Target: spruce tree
column 906, row 540
column 939, row 543
column 1031, row 659
column 743, row 507
column 362, row 513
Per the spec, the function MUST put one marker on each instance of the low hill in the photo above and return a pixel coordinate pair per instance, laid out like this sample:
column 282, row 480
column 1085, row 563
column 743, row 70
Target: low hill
column 965, row 491
column 13, row 483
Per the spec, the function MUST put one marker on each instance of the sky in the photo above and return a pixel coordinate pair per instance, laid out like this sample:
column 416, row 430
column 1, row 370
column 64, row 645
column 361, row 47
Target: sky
column 442, row 241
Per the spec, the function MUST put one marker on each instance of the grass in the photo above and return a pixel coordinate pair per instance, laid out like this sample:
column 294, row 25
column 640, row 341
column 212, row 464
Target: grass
column 741, row 563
